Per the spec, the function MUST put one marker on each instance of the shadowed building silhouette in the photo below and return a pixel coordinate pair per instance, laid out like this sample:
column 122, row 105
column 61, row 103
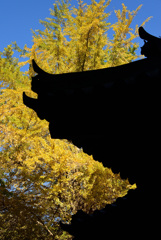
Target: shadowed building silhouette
column 113, row 114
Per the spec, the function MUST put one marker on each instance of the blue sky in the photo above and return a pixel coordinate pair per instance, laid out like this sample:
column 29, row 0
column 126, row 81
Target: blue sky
column 18, row 17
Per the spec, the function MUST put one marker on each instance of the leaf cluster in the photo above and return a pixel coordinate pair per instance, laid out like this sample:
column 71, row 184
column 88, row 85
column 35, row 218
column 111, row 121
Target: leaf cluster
column 77, row 38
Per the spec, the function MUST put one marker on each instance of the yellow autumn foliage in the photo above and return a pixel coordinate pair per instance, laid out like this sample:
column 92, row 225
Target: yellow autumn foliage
column 44, row 180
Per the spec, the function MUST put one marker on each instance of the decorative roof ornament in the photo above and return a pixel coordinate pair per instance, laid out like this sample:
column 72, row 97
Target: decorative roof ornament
column 152, row 44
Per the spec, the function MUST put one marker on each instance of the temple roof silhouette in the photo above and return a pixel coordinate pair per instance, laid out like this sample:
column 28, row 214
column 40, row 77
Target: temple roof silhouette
column 91, row 92
column 113, row 114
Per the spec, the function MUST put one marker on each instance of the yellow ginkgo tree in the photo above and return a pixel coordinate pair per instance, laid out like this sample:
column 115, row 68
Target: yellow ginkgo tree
column 44, row 180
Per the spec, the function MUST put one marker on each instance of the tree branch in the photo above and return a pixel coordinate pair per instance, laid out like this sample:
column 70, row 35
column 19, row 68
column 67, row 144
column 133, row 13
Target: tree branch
column 47, row 229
